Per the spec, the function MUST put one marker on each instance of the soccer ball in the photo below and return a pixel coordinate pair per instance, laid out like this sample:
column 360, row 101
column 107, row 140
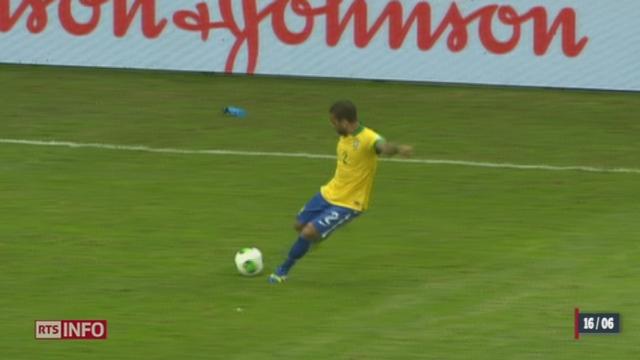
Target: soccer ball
column 249, row 261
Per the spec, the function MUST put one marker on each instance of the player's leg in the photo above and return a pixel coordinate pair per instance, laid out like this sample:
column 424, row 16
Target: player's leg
column 300, row 247
column 308, row 234
column 312, row 209
column 332, row 218
column 317, row 230
column 329, row 221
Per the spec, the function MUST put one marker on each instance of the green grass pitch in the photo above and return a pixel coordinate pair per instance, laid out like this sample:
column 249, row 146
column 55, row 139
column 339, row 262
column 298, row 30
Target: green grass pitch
column 451, row 262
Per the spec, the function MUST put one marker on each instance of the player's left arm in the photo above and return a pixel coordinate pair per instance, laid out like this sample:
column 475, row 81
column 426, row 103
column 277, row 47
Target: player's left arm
column 383, row 147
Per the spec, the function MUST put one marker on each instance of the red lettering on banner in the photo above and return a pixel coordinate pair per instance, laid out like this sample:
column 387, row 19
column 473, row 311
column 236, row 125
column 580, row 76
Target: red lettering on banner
column 301, row 8
column 200, row 20
column 543, row 35
column 74, row 27
column 339, row 15
column 37, row 20
column 123, row 17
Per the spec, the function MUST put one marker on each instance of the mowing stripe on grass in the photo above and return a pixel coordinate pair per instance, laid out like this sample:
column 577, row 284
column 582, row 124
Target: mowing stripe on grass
column 143, row 148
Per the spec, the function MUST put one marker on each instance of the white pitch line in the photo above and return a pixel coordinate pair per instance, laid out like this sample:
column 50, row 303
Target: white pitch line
column 143, row 148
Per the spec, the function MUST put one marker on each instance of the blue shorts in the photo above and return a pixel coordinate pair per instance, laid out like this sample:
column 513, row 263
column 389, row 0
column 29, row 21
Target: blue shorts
column 324, row 216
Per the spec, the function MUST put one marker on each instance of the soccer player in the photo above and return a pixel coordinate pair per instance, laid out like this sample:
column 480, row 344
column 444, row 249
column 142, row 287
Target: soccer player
column 347, row 195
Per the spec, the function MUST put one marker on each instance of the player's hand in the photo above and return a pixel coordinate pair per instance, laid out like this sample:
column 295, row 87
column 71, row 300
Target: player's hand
column 405, row 150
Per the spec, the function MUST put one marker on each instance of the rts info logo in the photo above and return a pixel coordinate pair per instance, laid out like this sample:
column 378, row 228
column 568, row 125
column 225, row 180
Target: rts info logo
column 71, row 329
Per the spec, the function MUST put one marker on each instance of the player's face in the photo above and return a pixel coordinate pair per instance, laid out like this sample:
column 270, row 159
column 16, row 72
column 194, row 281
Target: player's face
column 341, row 126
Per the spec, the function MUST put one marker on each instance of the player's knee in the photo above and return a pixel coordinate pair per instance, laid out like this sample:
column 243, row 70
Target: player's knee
column 298, row 227
column 309, row 232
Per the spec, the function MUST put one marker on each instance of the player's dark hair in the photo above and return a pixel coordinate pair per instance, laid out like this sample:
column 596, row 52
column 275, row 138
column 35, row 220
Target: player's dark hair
column 344, row 109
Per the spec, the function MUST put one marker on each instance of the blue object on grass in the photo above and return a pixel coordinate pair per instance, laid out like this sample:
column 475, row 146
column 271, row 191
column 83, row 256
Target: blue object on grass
column 235, row 111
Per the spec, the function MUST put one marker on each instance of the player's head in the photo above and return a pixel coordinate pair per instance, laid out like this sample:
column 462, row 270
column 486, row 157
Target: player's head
column 344, row 117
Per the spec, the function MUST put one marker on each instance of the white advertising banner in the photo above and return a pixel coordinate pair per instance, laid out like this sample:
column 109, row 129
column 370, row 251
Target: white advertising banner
column 592, row 44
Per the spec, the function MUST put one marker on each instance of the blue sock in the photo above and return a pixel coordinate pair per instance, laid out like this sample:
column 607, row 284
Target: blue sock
column 299, row 248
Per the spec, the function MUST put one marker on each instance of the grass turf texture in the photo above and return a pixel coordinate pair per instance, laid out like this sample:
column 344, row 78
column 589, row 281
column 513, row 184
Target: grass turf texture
column 451, row 262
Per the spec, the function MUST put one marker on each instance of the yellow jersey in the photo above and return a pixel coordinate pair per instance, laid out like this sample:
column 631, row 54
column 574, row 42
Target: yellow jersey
column 356, row 167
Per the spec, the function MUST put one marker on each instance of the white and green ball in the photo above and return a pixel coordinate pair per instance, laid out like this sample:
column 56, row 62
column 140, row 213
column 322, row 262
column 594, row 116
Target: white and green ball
column 249, row 261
